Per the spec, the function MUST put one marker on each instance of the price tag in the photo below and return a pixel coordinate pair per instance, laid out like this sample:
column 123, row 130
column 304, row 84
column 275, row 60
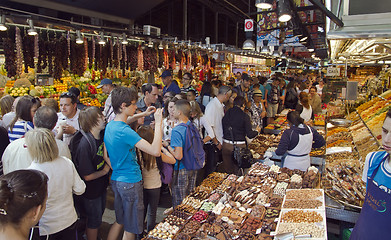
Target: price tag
column 259, row 230
column 273, row 234
column 249, row 210
column 267, row 205
column 276, row 219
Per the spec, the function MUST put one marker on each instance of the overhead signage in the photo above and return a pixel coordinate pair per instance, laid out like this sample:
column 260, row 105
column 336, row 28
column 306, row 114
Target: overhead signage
column 333, row 72
column 248, row 25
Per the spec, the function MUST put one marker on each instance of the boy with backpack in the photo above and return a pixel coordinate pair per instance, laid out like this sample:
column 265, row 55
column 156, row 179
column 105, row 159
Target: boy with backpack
column 88, row 155
column 187, row 148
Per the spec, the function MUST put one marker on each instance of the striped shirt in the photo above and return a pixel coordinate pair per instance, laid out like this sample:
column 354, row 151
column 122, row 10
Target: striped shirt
column 383, row 176
column 19, row 130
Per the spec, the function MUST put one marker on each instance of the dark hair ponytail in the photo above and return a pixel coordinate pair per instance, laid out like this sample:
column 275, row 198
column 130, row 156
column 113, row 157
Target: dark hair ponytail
column 294, row 118
column 20, row 191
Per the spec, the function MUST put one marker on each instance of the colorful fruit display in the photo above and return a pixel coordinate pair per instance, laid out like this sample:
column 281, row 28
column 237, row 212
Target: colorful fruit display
column 17, row 91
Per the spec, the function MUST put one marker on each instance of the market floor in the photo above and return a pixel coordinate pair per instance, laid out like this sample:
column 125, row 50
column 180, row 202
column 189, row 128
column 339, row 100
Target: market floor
column 109, row 214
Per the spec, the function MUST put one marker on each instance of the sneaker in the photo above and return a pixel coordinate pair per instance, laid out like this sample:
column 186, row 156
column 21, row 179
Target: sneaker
column 168, row 211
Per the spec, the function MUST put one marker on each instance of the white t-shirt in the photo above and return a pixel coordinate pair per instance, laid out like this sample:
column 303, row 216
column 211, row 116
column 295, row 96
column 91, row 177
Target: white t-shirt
column 214, row 113
column 203, row 122
column 64, row 180
column 74, row 122
column 16, row 155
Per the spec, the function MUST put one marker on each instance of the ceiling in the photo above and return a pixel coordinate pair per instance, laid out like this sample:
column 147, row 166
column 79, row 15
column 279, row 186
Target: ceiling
column 221, row 20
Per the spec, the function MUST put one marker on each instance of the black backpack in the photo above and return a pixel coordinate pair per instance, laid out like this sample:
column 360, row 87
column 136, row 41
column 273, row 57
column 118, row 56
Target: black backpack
column 74, row 144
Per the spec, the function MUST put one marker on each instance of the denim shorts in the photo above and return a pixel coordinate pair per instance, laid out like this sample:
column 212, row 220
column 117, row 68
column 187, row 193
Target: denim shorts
column 129, row 206
column 94, row 210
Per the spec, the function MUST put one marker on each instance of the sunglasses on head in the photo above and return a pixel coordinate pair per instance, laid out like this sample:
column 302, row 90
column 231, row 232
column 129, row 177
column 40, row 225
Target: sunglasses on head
column 67, row 94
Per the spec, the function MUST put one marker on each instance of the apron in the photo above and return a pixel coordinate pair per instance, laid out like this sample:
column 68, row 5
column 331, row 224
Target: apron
column 298, row 157
column 375, row 217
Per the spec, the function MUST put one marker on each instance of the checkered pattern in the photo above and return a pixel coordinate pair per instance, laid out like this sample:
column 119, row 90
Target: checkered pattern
column 183, row 182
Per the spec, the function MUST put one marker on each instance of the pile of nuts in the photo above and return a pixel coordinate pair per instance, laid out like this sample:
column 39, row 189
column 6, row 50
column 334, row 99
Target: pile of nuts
column 300, row 216
column 302, row 229
column 164, row 231
column 283, row 177
column 303, row 194
column 303, row 204
column 214, row 179
column 310, row 179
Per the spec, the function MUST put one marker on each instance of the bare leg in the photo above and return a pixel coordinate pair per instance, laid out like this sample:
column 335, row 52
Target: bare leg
column 115, row 231
column 92, row 233
column 129, row 236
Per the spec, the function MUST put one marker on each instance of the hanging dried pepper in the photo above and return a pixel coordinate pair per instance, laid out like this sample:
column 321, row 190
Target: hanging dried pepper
column 28, row 52
column 77, row 58
column 140, row 59
column 116, row 58
column 90, row 58
column 188, row 65
column 98, row 52
column 194, row 58
column 36, row 47
column 85, row 44
column 166, row 59
column 111, row 52
column 147, row 59
column 160, row 58
column 132, row 57
column 69, row 43
column 172, row 59
column 10, row 57
column 50, row 50
column 104, row 59
column 154, row 60
column 42, row 59
column 19, row 55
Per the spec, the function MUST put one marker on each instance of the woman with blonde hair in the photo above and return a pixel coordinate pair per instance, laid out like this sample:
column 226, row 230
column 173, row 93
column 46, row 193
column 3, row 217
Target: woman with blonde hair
column 59, row 219
column 6, row 104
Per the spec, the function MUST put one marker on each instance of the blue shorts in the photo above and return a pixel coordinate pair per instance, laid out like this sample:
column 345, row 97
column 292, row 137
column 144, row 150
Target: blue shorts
column 129, row 206
column 94, row 210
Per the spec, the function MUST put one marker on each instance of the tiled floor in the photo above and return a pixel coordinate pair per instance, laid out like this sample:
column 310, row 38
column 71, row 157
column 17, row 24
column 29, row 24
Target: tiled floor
column 109, row 214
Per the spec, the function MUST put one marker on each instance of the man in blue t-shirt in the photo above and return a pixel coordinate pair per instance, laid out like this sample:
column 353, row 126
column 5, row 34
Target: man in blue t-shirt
column 126, row 181
column 169, row 85
column 183, row 180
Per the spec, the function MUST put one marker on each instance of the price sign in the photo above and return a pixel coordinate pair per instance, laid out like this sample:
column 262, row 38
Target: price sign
column 248, row 25
column 333, row 72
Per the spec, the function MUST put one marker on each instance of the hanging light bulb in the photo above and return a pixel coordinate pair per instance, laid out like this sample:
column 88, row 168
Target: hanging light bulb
column 150, row 43
column 3, row 27
column 265, row 48
column 124, row 39
column 284, row 11
column 31, row 31
column 264, row 4
column 248, row 45
column 101, row 40
column 161, row 46
column 79, row 39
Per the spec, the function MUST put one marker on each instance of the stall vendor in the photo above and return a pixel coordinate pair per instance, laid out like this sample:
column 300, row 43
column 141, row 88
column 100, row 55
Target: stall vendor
column 375, row 216
column 297, row 142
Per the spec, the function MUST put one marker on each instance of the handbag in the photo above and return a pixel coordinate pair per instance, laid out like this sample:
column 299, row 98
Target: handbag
column 242, row 157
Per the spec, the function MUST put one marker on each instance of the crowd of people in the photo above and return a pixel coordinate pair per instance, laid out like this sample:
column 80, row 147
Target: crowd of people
column 74, row 154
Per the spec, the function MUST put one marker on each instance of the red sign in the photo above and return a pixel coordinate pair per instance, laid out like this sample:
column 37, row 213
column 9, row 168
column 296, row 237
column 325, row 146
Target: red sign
column 248, row 25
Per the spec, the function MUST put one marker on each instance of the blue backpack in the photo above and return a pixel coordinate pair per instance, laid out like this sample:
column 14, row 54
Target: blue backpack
column 193, row 152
